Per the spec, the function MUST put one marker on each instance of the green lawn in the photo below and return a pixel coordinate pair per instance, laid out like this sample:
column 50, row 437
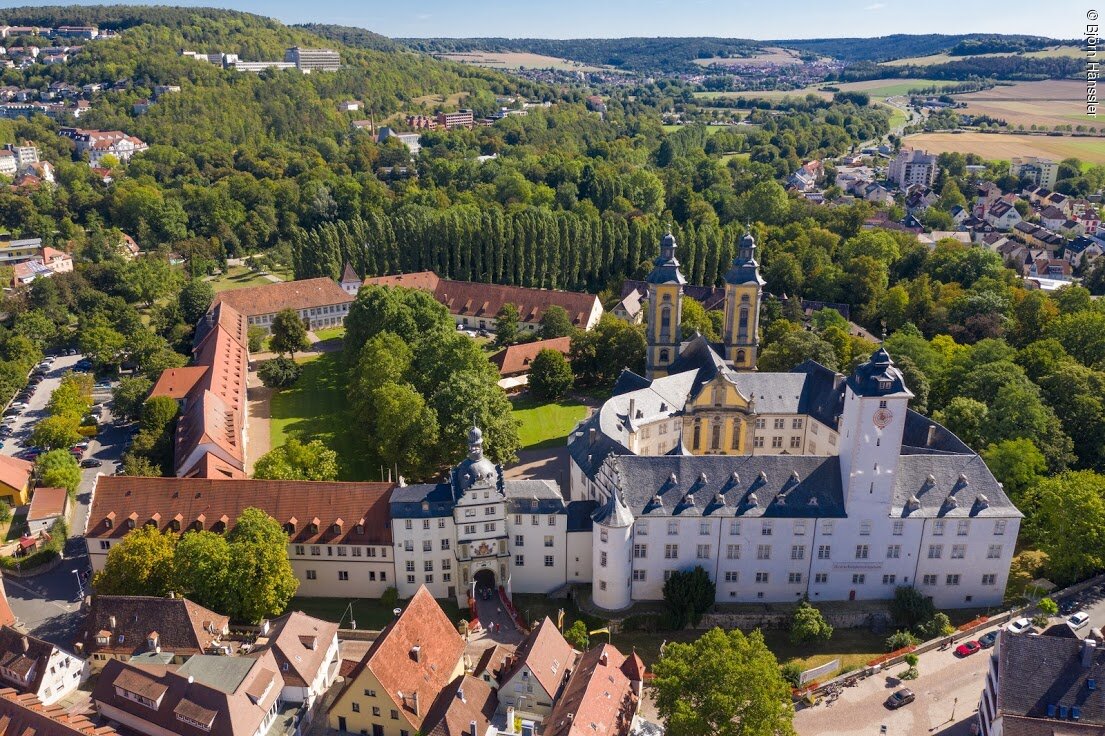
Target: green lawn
column 236, row 277
column 546, row 424
column 369, row 613
column 317, row 407
column 710, row 129
column 330, row 333
column 725, row 157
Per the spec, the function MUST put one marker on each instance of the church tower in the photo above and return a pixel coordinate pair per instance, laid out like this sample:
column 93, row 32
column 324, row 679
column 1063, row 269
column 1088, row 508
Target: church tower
column 743, row 291
column 665, row 310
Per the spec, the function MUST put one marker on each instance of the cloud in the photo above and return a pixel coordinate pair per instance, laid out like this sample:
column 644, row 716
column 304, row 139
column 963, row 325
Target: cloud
column 875, row 6
column 423, row 16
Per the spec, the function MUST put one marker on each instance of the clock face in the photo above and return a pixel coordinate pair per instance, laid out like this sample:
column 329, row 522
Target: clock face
column 882, row 418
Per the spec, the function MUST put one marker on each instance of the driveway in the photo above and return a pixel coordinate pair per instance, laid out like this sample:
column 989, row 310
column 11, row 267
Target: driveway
column 947, row 690
column 48, row 604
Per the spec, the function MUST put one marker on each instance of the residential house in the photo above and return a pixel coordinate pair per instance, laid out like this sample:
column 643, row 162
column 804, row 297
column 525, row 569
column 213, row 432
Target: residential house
column 514, row 361
column 339, row 534
column 532, row 679
column 960, row 215
column 602, row 695
column 1061, row 201
column 393, row 689
column 320, row 302
column 128, row 247
column 19, row 249
column 349, row 105
column 1047, row 684
column 1041, row 171
column 919, row 198
column 306, row 651
column 1083, row 250
column 56, row 260
column 119, row 627
column 15, row 480
column 47, row 506
column 631, row 307
column 931, row 239
column 1052, row 217
column 100, row 143
column 1002, row 215
column 1050, row 268
column 35, row 666
column 1037, row 236
column 912, row 166
column 806, row 177
column 208, row 694
column 875, row 192
column 466, row 706
column 474, row 304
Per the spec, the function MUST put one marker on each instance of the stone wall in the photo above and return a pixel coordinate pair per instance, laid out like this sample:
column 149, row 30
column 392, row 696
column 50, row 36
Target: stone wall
column 839, row 619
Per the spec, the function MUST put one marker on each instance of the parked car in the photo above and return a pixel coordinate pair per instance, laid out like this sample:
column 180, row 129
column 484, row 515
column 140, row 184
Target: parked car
column 81, row 445
column 987, row 640
column 1068, row 606
column 967, row 648
column 20, row 405
column 91, row 462
column 1019, row 626
column 900, row 698
column 1078, row 620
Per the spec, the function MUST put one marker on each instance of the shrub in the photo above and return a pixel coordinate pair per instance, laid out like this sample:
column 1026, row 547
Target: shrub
column 909, row 608
column 900, row 640
column 1048, row 606
column 689, row 594
column 792, row 673
column 255, row 338
column 808, row 625
column 389, row 597
column 1040, row 620
column 909, row 674
column 646, row 622
column 939, row 625
column 279, row 372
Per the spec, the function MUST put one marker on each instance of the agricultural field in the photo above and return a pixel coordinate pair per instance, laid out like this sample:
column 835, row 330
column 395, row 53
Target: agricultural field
column 877, row 88
column 1048, row 103
column 519, row 59
column 1007, row 145
column 945, row 58
column 772, row 55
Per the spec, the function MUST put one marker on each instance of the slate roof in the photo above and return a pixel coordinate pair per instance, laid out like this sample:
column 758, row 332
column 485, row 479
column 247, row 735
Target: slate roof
column 613, row 512
column 533, row 497
column 878, row 376
column 579, row 515
column 948, row 486
column 649, row 490
column 1037, row 671
column 916, row 438
column 665, row 269
column 421, row 501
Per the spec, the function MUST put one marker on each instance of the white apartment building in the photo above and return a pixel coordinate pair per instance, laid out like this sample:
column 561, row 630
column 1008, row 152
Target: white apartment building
column 1042, row 171
column 308, row 60
column 912, row 166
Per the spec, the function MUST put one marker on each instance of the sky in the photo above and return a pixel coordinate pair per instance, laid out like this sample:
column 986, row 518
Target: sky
column 755, row 19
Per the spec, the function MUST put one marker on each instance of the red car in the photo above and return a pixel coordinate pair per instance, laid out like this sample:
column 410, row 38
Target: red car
column 966, row 649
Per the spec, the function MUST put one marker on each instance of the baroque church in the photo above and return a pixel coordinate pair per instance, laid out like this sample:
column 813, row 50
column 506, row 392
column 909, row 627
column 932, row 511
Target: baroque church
column 780, row 485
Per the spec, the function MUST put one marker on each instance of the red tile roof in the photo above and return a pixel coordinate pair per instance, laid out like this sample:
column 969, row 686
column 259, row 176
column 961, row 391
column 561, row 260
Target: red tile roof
column 474, row 299
column 422, row 280
column 209, row 422
column 270, row 298
column 547, row 654
column 7, row 618
column 15, row 473
column 25, row 715
column 176, row 383
column 598, row 699
column 300, row 644
column 217, row 503
column 515, row 360
column 47, row 503
column 416, row 655
column 465, row 701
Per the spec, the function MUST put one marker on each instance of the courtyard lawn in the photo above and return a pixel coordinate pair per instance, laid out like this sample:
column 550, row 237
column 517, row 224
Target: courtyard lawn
column 330, row 333
column 236, row 277
column 543, row 425
column 317, row 407
column 369, row 613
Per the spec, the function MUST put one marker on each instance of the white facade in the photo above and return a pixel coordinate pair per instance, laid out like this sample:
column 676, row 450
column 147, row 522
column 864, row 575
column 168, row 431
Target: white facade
column 912, row 167
column 62, row 672
column 329, row 315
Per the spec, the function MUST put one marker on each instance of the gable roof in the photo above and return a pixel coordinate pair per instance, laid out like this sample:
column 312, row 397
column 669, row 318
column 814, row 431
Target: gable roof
column 598, row 699
column 25, row 656
column 349, row 275
column 465, row 701
column 413, row 658
column 217, row 503
column 300, row 644
column 547, row 654
column 230, row 696
column 477, row 299
column 422, row 280
column 269, row 298
column 1035, row 672
column 176, row 383
column 515, row 359
column 47, row 503
column 182, row 627
column 15, row 473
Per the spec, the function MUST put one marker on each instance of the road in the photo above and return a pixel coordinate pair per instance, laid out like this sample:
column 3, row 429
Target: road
column 947, row 692
column 47, row 604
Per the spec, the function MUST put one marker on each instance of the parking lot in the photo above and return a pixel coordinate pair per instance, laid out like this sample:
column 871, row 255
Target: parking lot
column 947, row 690
column 47, row 604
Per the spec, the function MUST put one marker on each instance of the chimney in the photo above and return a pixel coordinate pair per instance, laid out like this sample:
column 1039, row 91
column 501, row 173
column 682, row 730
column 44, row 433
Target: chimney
column 416, row 653
column 460, row 694
column 414, row 697
column 510, row 718
column 930, row 438
column 632, row 409
column 472, row 727
column 111, row 623
column 1089, row 647
column 26, row 643
column 603, row 658
column 591, row 436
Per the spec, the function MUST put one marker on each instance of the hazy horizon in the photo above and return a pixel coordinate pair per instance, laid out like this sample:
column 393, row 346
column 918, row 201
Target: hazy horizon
column 802, row 19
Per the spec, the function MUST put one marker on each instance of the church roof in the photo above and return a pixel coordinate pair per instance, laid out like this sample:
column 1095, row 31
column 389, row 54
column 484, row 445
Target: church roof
column 665, row 269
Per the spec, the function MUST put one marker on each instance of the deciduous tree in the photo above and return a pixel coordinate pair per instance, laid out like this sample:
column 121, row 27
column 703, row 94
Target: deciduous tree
column 289, row 334
column 141, row 564
column 295, row 460
column 264, row 580
column 550, row 375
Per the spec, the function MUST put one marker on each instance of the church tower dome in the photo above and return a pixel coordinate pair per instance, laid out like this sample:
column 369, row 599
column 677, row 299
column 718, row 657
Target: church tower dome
column 743, row 294
column 665, row 309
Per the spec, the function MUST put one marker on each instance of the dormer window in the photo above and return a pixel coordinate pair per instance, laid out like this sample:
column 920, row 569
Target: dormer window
column 884, row 385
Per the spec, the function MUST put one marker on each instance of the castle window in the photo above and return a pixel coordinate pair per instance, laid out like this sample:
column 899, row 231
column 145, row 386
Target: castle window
column 715, row 436
column 740, row 357
column 664, row 356
column 665, row 320
column 697, row 436
column 736, row 438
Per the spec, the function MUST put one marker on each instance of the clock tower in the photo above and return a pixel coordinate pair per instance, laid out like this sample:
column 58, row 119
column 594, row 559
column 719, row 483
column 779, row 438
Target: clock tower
column 872, row 422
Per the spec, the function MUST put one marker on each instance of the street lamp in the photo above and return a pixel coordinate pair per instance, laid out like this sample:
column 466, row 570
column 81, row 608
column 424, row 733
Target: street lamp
column 80, row 587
